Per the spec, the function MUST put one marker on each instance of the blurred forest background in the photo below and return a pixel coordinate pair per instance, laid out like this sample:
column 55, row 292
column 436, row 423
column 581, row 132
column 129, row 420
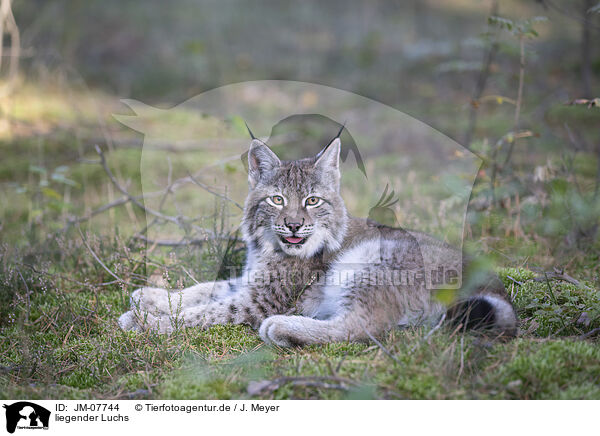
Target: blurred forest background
column 515, row 81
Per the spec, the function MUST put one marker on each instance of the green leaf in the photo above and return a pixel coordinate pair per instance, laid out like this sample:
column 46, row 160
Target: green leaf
column 559, row 186
column 37, row 169
column 62, row 179
column 51, row 193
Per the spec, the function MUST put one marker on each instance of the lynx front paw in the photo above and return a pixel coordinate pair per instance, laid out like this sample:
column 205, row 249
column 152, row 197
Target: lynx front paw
column 142, row 321
column 127, row 322
column 284, row 331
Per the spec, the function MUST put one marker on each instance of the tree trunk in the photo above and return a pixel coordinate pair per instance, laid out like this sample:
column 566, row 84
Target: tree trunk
column 586, row 48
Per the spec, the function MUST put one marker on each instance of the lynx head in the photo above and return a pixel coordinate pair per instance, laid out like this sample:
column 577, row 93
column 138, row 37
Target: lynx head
column 294, row 207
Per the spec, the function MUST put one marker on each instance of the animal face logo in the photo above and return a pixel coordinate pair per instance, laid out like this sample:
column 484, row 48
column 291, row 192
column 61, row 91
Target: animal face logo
column 26, row 415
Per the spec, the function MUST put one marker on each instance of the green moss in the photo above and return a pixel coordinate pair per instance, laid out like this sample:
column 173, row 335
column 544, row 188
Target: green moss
column 548, row 370
column 79, row 379
column 552, row 307
column 518, row 274
column 130, row 382
column 194, row 383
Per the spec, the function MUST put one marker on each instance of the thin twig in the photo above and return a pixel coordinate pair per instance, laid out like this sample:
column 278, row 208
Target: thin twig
column 429, row 333
column 208, row 189
column 462, row 357
column 168, row 190
column 181, row 242
column 591, row 333
column 380, row 345
column 560, row 276
column 136, row 200
column 69, row 279
column 519, row 97
column 8, row 369
column 514, row 280
column 436, row 327
column 553, row 297
column 339, row 365
column 72, row 220
column 190, row 275
column 95, row 256
column 132, row 198
column 28, row 295
column 481, row 82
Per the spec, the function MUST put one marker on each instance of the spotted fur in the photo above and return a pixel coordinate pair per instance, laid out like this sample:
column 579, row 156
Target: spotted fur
column 314, row 274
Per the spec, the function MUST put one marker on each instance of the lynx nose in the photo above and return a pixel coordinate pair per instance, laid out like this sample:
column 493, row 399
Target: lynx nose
column 293, row 226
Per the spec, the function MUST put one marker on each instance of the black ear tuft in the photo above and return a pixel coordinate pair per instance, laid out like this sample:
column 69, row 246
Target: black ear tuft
column 249, row 131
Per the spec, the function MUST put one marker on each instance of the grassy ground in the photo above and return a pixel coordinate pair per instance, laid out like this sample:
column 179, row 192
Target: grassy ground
column 63, row 342
column 59, row 305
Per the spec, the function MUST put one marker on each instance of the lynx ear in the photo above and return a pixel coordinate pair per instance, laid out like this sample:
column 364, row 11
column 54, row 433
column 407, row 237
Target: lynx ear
column 328, row 160
column 261, row 160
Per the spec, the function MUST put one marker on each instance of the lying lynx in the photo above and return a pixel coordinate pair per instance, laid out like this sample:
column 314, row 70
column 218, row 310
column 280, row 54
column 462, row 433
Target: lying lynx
column 314, row 274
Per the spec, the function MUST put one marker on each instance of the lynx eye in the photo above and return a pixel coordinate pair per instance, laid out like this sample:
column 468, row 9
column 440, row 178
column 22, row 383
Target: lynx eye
column 277, row 200
column 312, row 201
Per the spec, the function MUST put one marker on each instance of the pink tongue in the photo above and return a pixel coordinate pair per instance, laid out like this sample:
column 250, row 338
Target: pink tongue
column 293, row 239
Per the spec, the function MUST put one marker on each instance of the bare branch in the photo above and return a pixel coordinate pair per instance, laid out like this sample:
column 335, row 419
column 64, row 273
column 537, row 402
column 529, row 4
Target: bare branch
column 78, row 220
column 183, row 242
column 208, row 189
column 559, row 275
column 170, row 242
column 137, row 200
column 519, row 97
column 28, row 296
column 69, row 279
column 131, row 198
column 8, row 19
column 591, row 333
column 481, row 82
column 514, row 280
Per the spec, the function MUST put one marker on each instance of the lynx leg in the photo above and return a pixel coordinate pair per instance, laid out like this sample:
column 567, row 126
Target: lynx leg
column 233, row 309
column 362, row 312
column 163, row 301
column 156, row 308
column 295, row 331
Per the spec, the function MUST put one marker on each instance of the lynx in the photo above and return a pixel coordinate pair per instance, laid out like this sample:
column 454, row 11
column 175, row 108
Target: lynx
column 314, row 274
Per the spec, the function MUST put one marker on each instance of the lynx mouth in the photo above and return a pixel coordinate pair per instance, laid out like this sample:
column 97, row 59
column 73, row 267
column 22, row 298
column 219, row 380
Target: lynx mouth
column 293, row 240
